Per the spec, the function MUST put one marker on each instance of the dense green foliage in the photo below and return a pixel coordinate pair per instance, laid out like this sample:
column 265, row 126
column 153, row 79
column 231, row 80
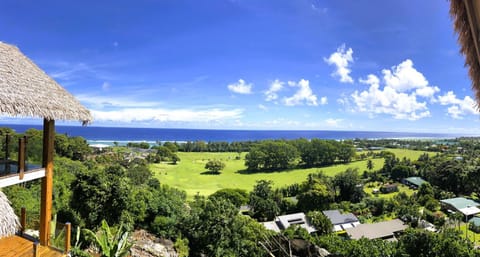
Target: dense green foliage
column 118, row 187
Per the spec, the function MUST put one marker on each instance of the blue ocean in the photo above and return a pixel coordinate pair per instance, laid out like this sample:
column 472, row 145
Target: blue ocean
column 107, row 135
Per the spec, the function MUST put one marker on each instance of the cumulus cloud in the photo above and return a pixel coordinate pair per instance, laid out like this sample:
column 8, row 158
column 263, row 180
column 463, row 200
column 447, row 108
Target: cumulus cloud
column 458, row 107
column 241, row 87
column 128, row 115
column 341, row 59
column 323, row 100
column 399, row 97
column 271, row 93
column 304, row 94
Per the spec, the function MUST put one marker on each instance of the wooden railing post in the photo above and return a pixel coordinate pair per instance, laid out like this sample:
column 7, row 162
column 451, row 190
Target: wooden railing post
column 36, row 249
column 7, row 150
column 23, row 220
column 21, row 157
column 68, row 233
column 7, row 154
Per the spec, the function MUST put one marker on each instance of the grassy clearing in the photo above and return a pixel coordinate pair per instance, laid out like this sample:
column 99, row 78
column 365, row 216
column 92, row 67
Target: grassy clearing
column 187, row 174
column 472, row 236
column 368, row 188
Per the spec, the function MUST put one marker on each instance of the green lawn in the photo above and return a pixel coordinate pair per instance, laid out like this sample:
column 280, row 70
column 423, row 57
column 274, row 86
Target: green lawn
column 472, row 236
column 368, row 188
column 187, row 174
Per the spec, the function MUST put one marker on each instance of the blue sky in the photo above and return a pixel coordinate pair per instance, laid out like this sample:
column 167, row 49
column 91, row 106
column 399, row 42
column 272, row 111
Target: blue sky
column 249, row 64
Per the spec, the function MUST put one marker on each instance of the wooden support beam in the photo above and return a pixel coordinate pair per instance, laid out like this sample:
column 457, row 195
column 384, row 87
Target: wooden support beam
column 21, row 158
column 36, row 248
column 47, row 181
column 68, row 234
column 23, row 220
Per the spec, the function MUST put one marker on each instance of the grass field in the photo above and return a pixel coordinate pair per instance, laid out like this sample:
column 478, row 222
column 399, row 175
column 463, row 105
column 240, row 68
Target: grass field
column 368, row 188
column 189, row 174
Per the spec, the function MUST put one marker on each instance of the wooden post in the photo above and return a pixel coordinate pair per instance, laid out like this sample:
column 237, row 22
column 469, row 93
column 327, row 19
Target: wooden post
column 47, row 181
column 23, row 220
column 7, row 154
column 68, row 234
column 36, row 252
column 7, row 150
column 21, row 157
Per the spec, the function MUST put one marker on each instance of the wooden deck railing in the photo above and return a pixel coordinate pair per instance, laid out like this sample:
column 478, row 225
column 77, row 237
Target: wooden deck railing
column 64, row 231
column 21, row 156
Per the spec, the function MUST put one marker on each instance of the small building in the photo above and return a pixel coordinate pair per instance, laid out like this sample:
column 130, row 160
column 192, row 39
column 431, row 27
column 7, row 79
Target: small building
column 461, row 204
column 389, row 188
column 341, row 221
column 387, row 230
column 284, row 221
column 414, row 182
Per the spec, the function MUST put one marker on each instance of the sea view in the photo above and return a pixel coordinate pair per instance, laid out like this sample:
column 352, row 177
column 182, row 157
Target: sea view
column 122, row 135
column 240, row 128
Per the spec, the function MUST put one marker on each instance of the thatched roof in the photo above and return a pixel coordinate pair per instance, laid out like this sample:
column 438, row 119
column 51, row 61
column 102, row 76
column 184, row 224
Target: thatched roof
column 466, row 20
column 8, row 220
column 27, row 91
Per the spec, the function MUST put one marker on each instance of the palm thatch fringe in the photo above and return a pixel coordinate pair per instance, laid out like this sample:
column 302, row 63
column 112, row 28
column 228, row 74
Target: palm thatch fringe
column 9, row 222
column 462, row 26
column 27, row 91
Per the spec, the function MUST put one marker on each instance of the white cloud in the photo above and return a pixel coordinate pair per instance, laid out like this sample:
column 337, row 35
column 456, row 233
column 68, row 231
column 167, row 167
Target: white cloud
column 271, row 93
column 403, row 85
column 303, row 94
column 262, row 107
column 241, row 87
column 341, row 59
column 333, row 122
column 427, row 92
column 98, row 102
column 129, row 115
column 323, row 100
column 106, row 86
column 404, row 77
column 458, row 107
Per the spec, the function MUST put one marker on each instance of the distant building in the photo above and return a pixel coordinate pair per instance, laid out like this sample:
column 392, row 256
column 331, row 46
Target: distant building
column 387, row 230
column 389, row 188
column 414, row 182
column 341, row 221
column 375, row 148
column 284, row 221
column 463, row 205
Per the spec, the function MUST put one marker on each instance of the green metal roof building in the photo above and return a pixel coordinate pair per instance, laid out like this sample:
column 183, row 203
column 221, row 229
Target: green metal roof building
column 466, row 206
column 414, row 181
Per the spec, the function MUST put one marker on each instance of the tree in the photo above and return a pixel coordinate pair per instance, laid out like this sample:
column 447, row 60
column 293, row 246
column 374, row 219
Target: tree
column 370, row 165
column 321, row 222
column 271, row 155
column 317, row 198
column 345, row 152
column 348, row 183
column 215, row 228
column 215, row 166
column 236, row 196
column 264, row 201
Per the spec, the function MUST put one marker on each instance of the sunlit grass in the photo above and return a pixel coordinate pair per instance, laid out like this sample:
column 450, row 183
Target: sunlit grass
column 187, row 174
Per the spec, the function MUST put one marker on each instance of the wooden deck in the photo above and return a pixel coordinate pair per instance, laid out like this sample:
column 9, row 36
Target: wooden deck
column 16, row 246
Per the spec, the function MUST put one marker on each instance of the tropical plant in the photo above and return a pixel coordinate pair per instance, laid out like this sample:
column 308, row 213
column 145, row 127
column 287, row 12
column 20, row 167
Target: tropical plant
column 109, row 244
